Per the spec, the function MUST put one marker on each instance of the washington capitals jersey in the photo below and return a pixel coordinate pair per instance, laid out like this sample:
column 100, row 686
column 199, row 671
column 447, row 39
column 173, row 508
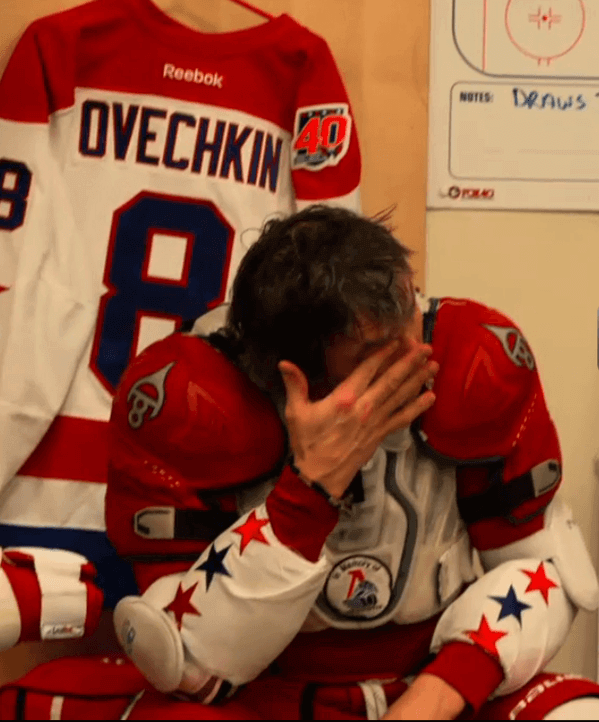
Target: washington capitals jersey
column 138, row 161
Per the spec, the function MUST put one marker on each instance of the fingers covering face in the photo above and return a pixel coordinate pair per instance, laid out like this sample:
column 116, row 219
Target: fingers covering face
column 402, row 381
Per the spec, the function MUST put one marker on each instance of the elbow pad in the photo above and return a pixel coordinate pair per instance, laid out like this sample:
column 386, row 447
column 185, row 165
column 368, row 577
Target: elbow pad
column 562, row 542
column 46, row 594
column 152, row 640
column 518, row 613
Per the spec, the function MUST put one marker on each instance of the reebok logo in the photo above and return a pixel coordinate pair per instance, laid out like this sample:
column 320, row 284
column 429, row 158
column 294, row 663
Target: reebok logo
column 192, row 76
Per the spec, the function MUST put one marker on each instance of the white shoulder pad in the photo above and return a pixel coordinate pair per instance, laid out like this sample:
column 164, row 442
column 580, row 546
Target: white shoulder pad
column 517, row 613
column 562, row 542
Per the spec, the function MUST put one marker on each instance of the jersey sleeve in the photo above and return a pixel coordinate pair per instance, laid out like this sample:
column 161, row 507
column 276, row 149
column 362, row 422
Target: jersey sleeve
column 47, row 308
column 256, row 582
column 325, row 153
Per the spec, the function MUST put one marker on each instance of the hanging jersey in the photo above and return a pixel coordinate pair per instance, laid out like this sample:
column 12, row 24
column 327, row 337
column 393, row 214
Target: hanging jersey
column 138, row 161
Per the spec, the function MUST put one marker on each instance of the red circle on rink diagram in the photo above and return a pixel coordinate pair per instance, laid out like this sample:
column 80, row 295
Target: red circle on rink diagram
column 545, row 29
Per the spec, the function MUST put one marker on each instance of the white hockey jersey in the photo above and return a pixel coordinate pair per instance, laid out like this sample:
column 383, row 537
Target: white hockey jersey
column 138, row 159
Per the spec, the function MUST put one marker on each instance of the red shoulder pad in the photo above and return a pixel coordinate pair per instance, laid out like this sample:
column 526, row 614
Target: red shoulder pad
column 183, row 402
column 187, row 426
column 486, row 381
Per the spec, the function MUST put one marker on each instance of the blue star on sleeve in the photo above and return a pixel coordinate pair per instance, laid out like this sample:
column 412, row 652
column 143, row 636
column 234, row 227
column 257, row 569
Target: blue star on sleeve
column 214, row 564
column 511, row 605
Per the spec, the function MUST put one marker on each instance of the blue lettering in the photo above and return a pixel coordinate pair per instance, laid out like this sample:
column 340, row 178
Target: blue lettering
column 522, row 99
column 213, row 148
column 232, row 154
column 171, row 139
column 123, row 130
column 532, row 99
column 97, row 147
column 255, row 162
column 146, row 135
column 270, row 164
column 517, row 93
column 224, row 141
column 564, row 105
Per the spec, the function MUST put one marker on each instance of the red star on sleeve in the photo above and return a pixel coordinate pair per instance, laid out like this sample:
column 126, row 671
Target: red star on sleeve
column 251, row 530
column 4, row 288
column 181, row 604
column 485, row 637
column 539, row 582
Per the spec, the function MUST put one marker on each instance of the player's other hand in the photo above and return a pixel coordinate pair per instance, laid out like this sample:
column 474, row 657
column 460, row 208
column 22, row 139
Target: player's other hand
column 428, row 697
column 332, row 438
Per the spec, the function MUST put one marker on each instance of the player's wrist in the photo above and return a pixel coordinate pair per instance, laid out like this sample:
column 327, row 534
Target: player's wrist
column 333, row 496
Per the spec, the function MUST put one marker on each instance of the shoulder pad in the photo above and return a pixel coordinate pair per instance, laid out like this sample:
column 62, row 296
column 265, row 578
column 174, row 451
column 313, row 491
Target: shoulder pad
column 487, row 375
column 184, row 403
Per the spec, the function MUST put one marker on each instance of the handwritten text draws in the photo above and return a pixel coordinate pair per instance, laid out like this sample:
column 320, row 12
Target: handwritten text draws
column 529, row 131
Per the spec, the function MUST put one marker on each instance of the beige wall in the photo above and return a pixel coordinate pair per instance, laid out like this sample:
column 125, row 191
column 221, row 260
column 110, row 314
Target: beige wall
column 541, row 269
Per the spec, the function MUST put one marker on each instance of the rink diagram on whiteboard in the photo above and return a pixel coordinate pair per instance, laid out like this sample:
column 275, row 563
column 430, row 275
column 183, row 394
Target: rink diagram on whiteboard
column 545, row 38
column 514, row 104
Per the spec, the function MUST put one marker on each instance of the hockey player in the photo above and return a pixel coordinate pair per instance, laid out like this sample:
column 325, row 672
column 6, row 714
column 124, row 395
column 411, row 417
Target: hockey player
column 326, row 569
column 353, row 562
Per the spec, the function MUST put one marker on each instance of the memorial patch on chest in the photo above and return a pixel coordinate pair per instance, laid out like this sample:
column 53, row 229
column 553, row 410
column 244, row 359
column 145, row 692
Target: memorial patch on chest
column 359, row 586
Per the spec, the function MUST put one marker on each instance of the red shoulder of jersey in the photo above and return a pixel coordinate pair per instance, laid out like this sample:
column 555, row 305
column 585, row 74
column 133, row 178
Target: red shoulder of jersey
column 486, row 382
column 184, row 403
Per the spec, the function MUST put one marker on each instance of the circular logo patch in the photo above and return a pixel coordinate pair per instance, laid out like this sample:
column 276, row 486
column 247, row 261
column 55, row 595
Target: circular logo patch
column 359, row 586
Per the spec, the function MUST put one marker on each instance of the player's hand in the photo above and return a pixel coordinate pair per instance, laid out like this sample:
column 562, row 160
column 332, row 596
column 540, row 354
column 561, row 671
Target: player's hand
column 428, row 697
column 334, row 437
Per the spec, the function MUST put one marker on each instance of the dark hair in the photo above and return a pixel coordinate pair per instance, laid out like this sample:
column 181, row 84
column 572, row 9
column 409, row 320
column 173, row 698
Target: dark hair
column 306, row 279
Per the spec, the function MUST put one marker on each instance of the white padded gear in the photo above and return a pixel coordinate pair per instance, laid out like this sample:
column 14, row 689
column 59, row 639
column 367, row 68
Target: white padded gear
column 529, row 638
column 150, row 637
column 51, row 589
column 229, row 633
column 152, row 641
column 562, row 542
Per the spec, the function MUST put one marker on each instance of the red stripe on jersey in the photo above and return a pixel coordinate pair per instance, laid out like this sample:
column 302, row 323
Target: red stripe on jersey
column 20, row 570
column 73, row 448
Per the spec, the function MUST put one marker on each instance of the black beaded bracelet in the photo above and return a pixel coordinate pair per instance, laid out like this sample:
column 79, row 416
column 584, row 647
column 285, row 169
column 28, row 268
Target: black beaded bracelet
column 333, row 501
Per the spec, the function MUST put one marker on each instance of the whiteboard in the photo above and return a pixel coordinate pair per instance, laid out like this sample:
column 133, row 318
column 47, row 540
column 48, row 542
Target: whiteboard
column 514, row 104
